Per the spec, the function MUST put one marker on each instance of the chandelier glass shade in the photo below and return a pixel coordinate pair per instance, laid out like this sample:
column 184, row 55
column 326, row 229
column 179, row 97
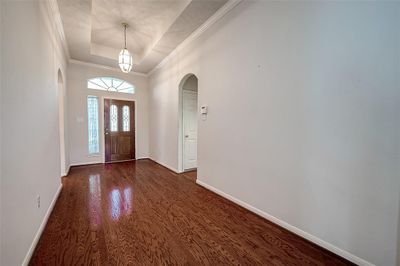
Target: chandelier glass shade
column 125, row 60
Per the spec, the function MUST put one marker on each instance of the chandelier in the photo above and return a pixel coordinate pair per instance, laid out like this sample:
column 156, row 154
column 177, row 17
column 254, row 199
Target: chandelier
column 125, row 57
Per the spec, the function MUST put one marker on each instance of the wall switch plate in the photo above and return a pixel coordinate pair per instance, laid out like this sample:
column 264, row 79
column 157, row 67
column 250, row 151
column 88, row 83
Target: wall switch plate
column 38, row 201
column 203, row 110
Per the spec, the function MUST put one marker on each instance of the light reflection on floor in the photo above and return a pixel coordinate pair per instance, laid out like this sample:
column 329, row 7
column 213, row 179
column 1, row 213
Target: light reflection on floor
column 120, row 202
column 95, row 211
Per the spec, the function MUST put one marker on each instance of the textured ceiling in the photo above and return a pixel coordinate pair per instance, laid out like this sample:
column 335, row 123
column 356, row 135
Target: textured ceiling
column 94, row 33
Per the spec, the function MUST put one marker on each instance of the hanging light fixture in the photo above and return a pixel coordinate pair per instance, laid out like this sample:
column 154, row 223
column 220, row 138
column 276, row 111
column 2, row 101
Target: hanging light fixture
column 125, row 57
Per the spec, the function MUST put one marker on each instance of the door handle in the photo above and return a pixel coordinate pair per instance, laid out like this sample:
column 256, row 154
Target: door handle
column 186, row 136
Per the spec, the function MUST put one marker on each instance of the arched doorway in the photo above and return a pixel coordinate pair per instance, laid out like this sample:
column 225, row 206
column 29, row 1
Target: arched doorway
column 188, row 118
column 61, row 122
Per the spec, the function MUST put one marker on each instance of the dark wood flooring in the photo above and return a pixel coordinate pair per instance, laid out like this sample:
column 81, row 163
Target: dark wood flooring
column 191, row 175
column 140, row 213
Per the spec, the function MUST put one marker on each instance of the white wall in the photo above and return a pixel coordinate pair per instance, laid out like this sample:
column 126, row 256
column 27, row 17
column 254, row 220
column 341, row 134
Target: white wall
column 78, row 75
column 63, row 123
column 30, row 157
column 398, row 236
column 1, row 148
column 303, row 117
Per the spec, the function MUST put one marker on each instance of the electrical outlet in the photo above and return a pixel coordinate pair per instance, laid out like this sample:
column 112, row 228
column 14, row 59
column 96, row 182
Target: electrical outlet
column 38, row 201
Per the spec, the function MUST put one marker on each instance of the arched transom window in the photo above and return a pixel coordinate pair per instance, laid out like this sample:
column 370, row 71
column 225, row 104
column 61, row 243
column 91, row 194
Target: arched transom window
column 110, row 84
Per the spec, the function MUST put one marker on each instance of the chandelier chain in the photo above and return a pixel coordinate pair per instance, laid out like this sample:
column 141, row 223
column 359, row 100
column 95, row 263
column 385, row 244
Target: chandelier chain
column 125, row 35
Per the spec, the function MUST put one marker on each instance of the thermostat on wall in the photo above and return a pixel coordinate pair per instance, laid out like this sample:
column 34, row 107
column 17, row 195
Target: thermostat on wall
column 203, row 110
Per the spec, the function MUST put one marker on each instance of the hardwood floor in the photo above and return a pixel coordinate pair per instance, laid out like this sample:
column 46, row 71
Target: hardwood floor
column 191, row 175
column 140, row 213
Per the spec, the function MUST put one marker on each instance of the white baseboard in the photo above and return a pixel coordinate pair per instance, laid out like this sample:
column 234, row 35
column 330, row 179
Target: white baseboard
column 166, row 166
column 41, row 228
column 66, row 172
column 83, row 164
column 289, row 227
column 90, row 163
column 143, row 158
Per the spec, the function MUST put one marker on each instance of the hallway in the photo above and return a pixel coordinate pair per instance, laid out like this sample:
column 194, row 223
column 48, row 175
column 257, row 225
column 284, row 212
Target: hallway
column 140, row 213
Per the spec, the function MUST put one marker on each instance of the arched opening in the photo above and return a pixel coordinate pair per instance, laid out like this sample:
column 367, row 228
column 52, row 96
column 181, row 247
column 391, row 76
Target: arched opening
column 188, row 120
column 61, row 121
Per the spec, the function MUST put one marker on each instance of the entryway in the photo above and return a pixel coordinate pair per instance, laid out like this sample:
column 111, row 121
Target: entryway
column 189, row 110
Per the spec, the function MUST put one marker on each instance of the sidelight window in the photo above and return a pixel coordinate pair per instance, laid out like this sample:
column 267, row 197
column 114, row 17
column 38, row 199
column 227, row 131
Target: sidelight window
column 93, row 124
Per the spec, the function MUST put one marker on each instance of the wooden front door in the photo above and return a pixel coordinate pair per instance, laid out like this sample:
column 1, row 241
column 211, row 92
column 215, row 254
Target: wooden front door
column 119, row 130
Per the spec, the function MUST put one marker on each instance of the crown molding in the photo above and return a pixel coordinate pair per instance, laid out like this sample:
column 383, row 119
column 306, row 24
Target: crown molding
column 196, row 34
column 55, row 13
column 83, row 63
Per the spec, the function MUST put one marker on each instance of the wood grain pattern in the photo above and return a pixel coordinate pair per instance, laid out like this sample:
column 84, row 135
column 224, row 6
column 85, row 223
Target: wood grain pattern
column 191, row 175
column 140, row 213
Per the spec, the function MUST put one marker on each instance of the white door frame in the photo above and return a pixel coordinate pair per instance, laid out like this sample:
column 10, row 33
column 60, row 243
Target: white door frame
column 187, row 96
column 61, row 122
column 180, row 121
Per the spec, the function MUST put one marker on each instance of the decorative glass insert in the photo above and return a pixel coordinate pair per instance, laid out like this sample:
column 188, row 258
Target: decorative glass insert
column 113, row 118
column 93, row 124
column 110, row 84
column 125, row 118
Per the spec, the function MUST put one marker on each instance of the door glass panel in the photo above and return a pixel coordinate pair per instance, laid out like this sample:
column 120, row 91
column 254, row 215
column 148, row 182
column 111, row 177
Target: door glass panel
column 125, row 118
column 113, row 118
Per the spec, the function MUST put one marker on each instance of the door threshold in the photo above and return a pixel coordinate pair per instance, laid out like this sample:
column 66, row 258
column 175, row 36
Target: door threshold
column 121, row 161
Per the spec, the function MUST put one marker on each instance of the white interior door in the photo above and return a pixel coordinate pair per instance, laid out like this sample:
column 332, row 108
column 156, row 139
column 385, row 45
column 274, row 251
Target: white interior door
column 189, row 129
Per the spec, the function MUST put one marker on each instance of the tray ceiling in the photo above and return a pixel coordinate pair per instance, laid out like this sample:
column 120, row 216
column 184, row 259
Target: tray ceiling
column 94, row 33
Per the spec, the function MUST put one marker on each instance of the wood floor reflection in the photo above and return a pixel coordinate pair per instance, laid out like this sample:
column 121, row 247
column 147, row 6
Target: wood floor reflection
column 140, row 213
